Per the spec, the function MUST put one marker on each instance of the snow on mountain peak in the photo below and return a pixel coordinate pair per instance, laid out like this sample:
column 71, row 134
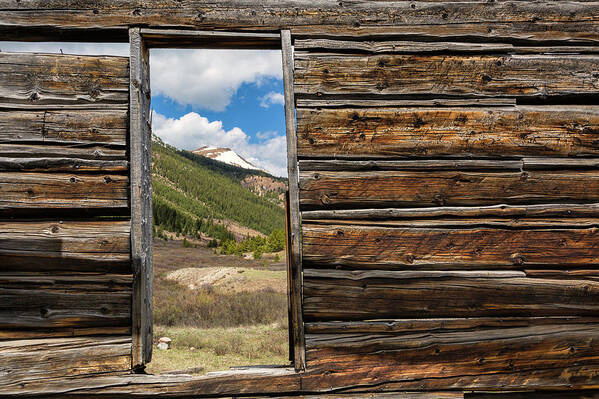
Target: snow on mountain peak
column 225, row 155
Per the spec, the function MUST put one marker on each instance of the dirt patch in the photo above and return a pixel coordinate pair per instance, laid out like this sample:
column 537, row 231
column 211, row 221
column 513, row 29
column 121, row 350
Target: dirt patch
column 230, row 279
column 171, row 255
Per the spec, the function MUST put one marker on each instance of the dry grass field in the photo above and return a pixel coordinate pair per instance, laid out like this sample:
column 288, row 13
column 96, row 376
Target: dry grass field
column 220, row 311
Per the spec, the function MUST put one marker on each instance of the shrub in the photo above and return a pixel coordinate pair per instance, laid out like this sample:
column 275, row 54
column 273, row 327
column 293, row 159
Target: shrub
column 177, row 305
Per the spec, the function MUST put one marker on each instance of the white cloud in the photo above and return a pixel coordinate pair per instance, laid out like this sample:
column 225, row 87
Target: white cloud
column 192, row 131
column 209, row 78
column 272, row 98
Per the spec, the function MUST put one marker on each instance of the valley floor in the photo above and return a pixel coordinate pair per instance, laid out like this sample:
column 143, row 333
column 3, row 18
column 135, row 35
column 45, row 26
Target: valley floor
column 220, row 311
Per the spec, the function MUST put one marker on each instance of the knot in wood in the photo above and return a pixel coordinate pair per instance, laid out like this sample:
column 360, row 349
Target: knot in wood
column 517, row 259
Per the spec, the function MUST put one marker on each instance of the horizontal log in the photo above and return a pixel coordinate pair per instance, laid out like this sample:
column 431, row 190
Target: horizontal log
column 419, row 47
column 532, row 32
column 572, row 394
column 447, row 223
column 84, row 245
column 422, row 356
column 63, row 79
column 75, row 152
column 309, row 165
column 35, row 333
column 24, row 362
column 406, row 326
column 474, row 75
column 445, row 188
column 67, row 300
column 275, row 381
column 493, row 211
column 557, row 131
column 72, row 165
column 520, row 20
column 62, row 190
column 375, row 395
column 448, row 248
column 179, row 38
column 71, row 126
column 411, row 102
column 357, row 275
column 385, row 297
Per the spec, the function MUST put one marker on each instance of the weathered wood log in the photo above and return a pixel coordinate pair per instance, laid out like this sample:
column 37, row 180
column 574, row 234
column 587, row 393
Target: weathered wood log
column 63, row 79
column 416, row 47
column 532, row 32
column 493, row 211
column 297, row 323
column 350, row 298
column 410, row 357
column 62, row 190
column 522, row 164
column 98, row 246
column 449, row 249
column 72, row 165
column 544, row 21
column 277, row 381
column 429, row 132
column 407, row 326
column 374, row 395
column 410, row 102
column 88, row 152
column 36, row 300
column 36, row 333
column 445, row 188
column 70, row 126
column 140, row 150
column 476, row 75
column 185, row 38
column 462, row 223
column 24, row 362
column 576, row 394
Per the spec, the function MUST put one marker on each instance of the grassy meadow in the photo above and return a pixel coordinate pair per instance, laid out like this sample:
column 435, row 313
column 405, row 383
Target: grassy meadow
column 235, row 321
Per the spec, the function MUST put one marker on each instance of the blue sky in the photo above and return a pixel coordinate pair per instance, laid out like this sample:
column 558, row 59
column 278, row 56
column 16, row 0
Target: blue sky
column 208, row 97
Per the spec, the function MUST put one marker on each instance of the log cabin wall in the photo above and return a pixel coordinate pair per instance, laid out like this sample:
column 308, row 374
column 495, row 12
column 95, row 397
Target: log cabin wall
column 65, row 262
column 449, row 194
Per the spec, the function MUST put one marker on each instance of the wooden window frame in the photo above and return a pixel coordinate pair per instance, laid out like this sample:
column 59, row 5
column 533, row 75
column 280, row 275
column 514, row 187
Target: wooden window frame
column 141, row 40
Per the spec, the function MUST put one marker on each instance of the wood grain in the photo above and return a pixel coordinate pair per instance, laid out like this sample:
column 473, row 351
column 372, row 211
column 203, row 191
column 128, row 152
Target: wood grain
column 449, row 248
column 407, row 326
column 419, row 47
column 516, row 212
column 445, row 188
column 423, row 356
column 141, row 200
column 68, row 151
column 25, row 362
column 559, row 131
column 62, row 190
column 84, row 245
column 475, row 75
column 549, row 21
column 295, row 226
column 69, row 300
column 384, row 296
column 108, row 127
column 63, row 79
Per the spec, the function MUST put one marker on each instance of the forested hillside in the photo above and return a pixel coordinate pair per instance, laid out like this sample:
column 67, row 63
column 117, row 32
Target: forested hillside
column 196, row 195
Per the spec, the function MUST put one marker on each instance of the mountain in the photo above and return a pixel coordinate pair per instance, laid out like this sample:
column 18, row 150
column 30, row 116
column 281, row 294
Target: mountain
column 198, row 196
column 225, row 155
